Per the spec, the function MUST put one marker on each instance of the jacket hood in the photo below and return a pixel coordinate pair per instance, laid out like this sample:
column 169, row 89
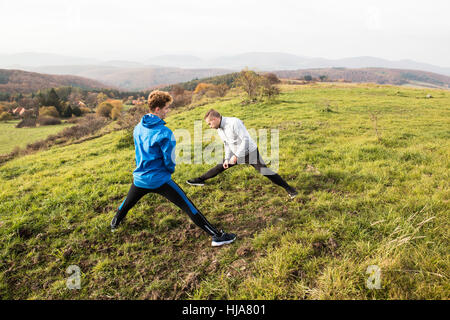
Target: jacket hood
column 151, row 121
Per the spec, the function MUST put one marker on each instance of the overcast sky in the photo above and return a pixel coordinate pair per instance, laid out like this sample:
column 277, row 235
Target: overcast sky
column 137, row 30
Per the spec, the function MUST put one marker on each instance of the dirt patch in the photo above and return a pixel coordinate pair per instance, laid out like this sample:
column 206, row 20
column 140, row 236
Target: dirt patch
column 25, row 233
column 67, row 253
column 325, row 247
column 244, row 250
column 104, row 209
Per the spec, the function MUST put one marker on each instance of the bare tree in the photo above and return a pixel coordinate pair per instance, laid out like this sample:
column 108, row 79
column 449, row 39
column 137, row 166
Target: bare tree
column 250, row 82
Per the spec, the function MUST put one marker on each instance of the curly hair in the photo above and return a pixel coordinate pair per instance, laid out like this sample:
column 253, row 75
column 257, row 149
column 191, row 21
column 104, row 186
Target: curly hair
column 158, row 99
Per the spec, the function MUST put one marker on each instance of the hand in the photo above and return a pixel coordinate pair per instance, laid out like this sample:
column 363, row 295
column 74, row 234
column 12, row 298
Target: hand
column 233, row 160
column 225, row 164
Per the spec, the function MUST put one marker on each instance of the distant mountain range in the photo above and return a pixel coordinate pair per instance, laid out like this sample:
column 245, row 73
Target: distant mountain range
column 270, row 61
column 18, row 81
column 169, row 69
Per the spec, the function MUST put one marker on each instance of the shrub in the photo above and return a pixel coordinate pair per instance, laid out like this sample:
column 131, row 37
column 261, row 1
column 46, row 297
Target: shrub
column 115, row 103
column 48, row 121
column 5, row 116
column 48, row 111
column 67, row 111
column 41, row 144
column 88, row 126
column 104, row 109
column 202, row 88
column 76, row 111
column 115, row 113
column 4, row 108
column 270, row 91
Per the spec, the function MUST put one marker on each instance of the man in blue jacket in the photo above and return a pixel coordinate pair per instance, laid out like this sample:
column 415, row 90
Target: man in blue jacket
column 155, row 162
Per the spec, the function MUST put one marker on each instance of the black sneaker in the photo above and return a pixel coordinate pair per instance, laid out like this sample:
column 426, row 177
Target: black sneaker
column 196, row 182
column 223, row 238
column 292, row 193
column 115, row 223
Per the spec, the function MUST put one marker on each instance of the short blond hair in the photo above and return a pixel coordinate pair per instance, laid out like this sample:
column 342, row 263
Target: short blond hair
column 158, row 99
column 212, row 113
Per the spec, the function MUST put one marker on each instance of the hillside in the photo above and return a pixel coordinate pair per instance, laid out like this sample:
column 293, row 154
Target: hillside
column 167, row 70
column 143, row 78
column 135, row 78
column 374, row 75
column 362, row 201
column 18, row 81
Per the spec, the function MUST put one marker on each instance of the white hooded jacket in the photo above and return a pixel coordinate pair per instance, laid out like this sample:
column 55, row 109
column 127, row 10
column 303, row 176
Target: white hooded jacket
column 235, row 137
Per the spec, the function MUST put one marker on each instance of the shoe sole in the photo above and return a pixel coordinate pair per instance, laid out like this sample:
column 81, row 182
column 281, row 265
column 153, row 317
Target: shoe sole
column 218, row 244
column 195, row 184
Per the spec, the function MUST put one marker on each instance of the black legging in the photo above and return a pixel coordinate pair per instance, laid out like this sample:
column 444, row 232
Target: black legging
column 174, row 194
column 255, row 160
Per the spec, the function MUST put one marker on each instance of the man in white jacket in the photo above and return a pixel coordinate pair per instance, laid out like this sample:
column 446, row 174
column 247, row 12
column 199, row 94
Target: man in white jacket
column 240, row 148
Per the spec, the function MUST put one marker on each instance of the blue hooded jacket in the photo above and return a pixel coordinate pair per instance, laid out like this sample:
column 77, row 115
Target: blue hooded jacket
column 155, row 152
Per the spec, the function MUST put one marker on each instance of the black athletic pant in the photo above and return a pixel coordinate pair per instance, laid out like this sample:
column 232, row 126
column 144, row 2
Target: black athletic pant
column 255, row 160
column 174, row 194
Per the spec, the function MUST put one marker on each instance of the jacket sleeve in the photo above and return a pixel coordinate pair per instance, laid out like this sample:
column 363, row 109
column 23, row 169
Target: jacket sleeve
column 227, row 151
column 242, row 133
column 167, row 144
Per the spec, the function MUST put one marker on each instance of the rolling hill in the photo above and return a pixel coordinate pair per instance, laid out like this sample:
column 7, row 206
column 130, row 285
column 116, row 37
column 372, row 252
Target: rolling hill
column 18, row 81
column 374, row 75
column 134, row 78
column 412, row 78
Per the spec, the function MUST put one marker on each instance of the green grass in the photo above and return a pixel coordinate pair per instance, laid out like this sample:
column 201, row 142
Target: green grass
column 11, row 137
column 362, row 201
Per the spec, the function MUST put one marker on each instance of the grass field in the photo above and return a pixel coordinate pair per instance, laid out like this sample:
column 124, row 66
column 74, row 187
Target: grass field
column 362, row 201
column 11, row 137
